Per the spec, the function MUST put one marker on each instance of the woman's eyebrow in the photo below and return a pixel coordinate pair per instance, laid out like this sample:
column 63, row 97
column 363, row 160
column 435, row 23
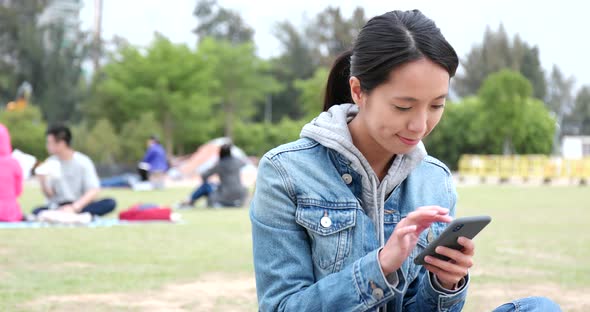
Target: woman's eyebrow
column 413, row 99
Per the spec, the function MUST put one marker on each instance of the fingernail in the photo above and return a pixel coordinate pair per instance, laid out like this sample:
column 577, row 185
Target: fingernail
column 428, row 259
column 438, row 249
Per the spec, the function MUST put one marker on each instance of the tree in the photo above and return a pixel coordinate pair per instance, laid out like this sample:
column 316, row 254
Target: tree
column 27, row 130
column 63, row 76
column 136, row 132
column 530, row 67
column 498, row 52
column 312, row 92
column 578, row 121
column 221, row 23
column 41, row 55
column 19, row 43
column 504, row 96
column 100, row 142
column 472, row 127
column 169, row 80
column 537, row 129
column 296, row 57
column 316, row 44
column 332, row 34
column 459, row 132
column 295, row 62
column 259, row 138
column 242, row 77
column 560, row 101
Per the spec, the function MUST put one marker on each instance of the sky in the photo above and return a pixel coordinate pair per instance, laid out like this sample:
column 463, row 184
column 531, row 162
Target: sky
column 558, row 28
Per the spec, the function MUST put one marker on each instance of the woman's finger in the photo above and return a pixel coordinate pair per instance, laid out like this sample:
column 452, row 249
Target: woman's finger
column 468, row 245
column 426, row 215
column 447, row 266
column 404, row 230
column 436, row 208
column 457, row 257
column 443, row 275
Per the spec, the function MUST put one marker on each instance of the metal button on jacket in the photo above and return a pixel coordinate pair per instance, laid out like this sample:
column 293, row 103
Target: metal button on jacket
column 378, row 293
column 326, row 222
column 347, row 178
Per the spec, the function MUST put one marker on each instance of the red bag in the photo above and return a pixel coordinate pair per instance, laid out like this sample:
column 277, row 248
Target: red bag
column 146, row 212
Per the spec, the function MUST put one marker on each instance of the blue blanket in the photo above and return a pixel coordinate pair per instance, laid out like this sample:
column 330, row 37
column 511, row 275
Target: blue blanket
column 93, row 224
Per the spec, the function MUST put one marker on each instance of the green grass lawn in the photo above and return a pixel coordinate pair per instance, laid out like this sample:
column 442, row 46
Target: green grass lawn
column 537, row 243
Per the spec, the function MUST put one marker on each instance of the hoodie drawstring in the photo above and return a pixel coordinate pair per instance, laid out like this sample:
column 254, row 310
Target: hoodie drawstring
column 380, row 205
column 380, row 213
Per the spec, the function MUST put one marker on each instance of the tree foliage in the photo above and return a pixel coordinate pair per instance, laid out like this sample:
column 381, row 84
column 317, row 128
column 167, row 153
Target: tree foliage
column 42, row 55
column 497, row 52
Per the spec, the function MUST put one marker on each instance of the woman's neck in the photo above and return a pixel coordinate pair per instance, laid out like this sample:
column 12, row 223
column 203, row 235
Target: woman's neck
column 379, row 158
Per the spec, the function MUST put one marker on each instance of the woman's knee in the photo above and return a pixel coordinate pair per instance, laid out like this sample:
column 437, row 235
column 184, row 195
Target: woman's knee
column 530, row 304
column 546, row 304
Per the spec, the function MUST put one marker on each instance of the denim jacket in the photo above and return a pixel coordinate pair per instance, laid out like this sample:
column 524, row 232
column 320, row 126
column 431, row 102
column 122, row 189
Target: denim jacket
column 316, row 248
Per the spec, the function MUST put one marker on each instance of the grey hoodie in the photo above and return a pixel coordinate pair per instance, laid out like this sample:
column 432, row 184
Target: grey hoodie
column 331, row 130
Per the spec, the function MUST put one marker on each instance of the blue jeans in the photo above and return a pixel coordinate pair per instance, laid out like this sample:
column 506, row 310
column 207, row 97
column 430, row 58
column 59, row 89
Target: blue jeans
column 97, row 208
column 204, row 190
column 125, row 180
column 530, row 304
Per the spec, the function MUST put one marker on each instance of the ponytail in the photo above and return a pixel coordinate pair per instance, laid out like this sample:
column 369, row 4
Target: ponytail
column 337, row 87
column 384, row 43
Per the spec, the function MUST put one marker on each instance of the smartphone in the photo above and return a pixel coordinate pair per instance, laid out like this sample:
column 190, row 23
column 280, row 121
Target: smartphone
column 466, row 227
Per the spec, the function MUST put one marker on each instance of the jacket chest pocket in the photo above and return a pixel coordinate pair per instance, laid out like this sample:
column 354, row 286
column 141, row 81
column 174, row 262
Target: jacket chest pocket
column 329, row 226
column 391, row 218
column 425, row 238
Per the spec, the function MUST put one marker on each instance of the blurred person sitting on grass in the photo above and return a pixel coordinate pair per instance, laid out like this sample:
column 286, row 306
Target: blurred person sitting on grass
column 230, row 192
column 154, row 164
column 68, row 178
column 11, row 180
column 339, row 215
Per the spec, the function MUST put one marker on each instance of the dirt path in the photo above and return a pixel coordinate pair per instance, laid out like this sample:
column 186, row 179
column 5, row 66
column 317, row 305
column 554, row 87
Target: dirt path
column 212, row 292
column 223, row 292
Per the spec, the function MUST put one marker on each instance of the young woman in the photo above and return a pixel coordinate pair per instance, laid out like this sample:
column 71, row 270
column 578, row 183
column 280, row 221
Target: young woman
column 339, row 215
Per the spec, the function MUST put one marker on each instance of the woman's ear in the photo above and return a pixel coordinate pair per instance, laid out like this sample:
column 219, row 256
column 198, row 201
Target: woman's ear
column 356, row 91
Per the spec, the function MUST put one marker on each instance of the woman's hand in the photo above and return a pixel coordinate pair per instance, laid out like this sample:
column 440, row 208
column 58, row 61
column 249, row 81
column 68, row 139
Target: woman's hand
column 405, row 236
column 450, row 272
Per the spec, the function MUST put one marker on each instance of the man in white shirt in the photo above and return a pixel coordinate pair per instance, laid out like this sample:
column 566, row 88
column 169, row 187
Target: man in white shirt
column 75, row 186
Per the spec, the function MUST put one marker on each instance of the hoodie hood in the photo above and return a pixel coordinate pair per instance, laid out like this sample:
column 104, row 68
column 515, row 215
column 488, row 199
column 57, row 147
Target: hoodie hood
column 330, row 129
column 5, row 146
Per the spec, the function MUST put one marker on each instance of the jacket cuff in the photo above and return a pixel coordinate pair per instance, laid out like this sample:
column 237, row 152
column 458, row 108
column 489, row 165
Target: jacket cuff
column 439, row 287
column 447, row 298
column 373, row 286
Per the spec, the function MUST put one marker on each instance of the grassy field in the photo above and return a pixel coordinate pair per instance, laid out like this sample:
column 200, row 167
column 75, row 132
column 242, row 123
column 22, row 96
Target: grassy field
column 537, row 244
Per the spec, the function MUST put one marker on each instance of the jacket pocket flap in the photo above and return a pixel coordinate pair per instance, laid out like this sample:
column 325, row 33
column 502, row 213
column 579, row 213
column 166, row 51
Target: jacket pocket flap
column 326, row 218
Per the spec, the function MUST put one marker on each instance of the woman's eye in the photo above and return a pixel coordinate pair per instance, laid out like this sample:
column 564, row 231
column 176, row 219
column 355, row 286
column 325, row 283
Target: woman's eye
column 440, row 106
column 403, row 109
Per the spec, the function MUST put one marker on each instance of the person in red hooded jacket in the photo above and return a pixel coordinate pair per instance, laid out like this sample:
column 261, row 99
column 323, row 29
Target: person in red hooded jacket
column 11, row 180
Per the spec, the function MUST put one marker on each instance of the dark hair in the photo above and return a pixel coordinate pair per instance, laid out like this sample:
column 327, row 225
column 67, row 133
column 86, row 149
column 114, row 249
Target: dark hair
column 155, row 138
column 384, row 43
column 225, row 151
column 60, row 133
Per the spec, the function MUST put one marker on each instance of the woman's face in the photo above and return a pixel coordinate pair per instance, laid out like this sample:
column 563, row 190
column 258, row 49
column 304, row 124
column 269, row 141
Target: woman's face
column 402, row 111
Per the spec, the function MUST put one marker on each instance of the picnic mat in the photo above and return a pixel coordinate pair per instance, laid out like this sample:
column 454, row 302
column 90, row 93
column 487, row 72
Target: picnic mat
column 94, row 224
